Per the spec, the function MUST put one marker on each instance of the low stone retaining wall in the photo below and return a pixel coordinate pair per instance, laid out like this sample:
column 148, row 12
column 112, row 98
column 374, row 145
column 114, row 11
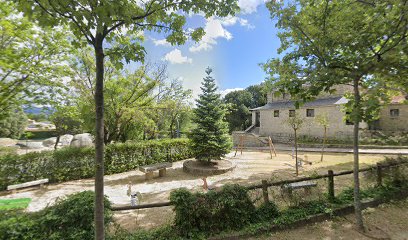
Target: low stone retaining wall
column 249, row 139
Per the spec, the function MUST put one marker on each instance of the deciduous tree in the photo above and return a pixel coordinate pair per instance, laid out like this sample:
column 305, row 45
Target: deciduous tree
column 325, row 43
column 32, row 59
column 323, row 120
column 295, row 122
column 113, row 29
column 238, row 115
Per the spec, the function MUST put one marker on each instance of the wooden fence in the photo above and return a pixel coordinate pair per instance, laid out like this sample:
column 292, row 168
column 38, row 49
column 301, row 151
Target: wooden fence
column 265, row 184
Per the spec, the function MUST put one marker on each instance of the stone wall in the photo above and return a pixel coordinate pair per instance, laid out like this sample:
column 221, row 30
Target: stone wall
column 249, row 140
column 394, row 123
column 276, row 127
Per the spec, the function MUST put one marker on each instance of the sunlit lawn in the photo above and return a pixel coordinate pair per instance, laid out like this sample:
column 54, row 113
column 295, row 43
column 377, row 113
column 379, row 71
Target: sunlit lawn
column 19, row 203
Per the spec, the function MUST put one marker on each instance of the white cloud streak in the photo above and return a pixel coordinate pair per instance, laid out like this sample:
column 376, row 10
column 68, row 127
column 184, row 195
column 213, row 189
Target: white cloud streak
column 176, row 57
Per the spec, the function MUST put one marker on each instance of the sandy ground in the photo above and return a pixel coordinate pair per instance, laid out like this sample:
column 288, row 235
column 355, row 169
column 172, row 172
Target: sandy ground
column 251, row 167
column 388, row 221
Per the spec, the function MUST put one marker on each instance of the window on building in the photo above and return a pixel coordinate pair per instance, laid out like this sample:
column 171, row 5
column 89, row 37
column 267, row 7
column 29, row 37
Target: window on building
column 276, row 113
column 394, row 112
column 291, row 113
column 348, row 120
column 309, row 112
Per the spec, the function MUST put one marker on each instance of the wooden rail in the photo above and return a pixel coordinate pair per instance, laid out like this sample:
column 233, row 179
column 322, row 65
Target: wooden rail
column 141, row 206
column 265, row 184
column 283, row 182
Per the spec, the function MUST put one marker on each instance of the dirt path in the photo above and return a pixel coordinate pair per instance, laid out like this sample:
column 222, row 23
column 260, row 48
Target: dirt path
column 388, row 221
column 251, row 167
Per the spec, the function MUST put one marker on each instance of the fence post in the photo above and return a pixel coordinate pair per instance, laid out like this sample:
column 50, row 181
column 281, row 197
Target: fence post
column 379, row 174
column 331, row 185
column 265, row 191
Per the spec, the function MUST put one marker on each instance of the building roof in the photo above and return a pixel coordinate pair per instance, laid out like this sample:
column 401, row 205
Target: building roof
column 398, row 99
column 315, row 103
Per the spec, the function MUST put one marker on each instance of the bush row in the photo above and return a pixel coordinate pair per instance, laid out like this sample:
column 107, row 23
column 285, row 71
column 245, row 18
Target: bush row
column 70, row 218
column 78, row 163
column 227, row 209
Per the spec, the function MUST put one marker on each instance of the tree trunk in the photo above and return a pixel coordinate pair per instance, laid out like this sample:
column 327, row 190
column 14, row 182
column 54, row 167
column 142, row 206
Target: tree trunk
column 296, row 155
column 171, row 129
column 56, row 142
column 324, row 143
column 356, row 121
column 99, row 140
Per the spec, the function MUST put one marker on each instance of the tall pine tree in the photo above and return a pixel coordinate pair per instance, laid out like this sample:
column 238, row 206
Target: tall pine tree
column 210, row 139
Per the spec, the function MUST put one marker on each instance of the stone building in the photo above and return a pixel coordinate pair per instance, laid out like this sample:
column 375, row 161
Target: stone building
column 269, row 120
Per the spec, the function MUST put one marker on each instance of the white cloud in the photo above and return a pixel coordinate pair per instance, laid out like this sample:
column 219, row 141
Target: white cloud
column 230, row 21
column 226, row 91
column 161, row 42
column 213, row 30
column 249, row 6
column 175, row 57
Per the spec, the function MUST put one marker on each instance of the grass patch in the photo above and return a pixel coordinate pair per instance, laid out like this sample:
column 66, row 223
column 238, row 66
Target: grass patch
column 19, row 203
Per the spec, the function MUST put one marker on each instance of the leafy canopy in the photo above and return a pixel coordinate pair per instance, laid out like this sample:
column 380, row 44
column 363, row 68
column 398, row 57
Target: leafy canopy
column 121, row 23
column 31, row 59
column 326, row 43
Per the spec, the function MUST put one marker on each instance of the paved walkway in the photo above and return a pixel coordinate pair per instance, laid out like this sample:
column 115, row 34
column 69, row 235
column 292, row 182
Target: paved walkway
column 284, row 147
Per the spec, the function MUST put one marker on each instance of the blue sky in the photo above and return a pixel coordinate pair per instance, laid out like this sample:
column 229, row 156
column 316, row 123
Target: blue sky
column 232, row 46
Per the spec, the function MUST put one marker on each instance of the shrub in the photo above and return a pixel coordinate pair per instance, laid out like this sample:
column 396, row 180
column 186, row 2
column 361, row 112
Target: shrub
column 78, row 163
column 7, row 150
column 71, row 218
column 43, row 134
column 267, row 211
column 293, row 214
column 215, row 211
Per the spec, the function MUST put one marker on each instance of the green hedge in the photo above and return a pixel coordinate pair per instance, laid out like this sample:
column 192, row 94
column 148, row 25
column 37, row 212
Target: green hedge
column 44, row 134
column 213, row 212
column 70, row 218
column 78, row 163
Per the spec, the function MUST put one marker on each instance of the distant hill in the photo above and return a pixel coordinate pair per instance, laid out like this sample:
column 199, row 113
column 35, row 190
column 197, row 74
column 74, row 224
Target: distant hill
column 37, row 110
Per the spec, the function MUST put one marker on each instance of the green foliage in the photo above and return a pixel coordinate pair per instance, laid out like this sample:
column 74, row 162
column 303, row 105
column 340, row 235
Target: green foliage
column 210, row 139
column 296, row 122
column 258, row 94
column 38, row 117
column 78, row 163
column 36, row 135
column 19, row 203
column 238, row 115
column 316, row 37
column 129, row 96
column 267, row 211
column 72, row 218
column 7, row 150
column 31, row 59
column 172, row 109
column 238, row 104
column 69, row 218
column 66, row 120
column 381, row 138
column 118, row 24
column 159, row 233
column 14, row 124
column 215, row 211
column 305, row 209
